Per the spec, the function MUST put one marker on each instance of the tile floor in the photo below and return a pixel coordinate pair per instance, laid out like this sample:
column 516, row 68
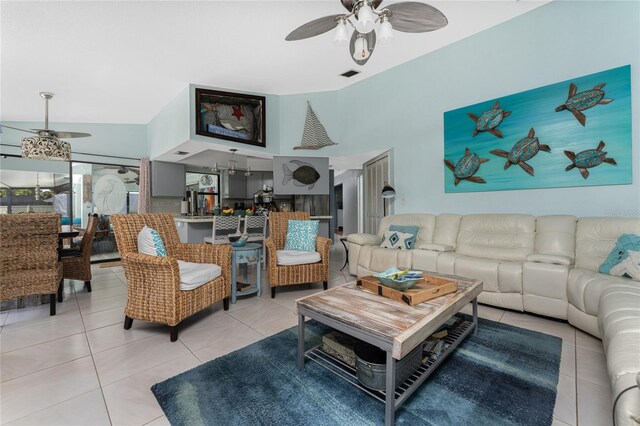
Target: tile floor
column 81, row 368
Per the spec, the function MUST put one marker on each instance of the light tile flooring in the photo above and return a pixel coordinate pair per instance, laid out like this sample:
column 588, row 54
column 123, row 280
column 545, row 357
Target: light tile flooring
column 81, row 368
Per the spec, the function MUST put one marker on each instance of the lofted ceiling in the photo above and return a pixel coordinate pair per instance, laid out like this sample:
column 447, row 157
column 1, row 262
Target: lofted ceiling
column 123, row 61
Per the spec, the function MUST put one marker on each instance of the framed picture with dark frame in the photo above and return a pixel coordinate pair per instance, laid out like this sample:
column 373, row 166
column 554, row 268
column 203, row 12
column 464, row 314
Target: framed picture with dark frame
column 232, row 116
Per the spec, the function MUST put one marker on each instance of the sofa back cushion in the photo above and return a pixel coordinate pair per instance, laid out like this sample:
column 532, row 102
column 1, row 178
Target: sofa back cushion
column 596, row 237
column 556, row 235
column 426, row 224
column 497, row 236
column 447, row 228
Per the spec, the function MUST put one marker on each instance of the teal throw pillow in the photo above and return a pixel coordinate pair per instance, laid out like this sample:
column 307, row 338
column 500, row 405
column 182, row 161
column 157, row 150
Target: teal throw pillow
column 624, row 259
column 409, row 243
column 301, row 235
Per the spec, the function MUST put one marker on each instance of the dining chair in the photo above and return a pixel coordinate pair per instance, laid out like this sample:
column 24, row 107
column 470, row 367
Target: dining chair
column 77, row 262
column 29, row 262
column 223, row 226
column 255, row 227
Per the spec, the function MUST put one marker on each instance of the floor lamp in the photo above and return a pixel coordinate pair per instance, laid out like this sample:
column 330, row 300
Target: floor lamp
column 387, row 192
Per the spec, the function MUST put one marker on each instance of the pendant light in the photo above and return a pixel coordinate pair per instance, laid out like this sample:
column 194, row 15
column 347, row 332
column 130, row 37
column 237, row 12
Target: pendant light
column 215, row 168
column 232, row 164
column 248, row 172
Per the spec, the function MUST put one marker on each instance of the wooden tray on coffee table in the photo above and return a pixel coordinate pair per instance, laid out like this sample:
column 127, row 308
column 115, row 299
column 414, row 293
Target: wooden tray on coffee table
column 429, row 288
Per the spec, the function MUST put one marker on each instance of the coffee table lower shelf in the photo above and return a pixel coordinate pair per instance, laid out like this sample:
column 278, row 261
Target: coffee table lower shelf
column 405, row 389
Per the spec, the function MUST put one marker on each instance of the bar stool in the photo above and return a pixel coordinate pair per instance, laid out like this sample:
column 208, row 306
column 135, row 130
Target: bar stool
column 223, row 226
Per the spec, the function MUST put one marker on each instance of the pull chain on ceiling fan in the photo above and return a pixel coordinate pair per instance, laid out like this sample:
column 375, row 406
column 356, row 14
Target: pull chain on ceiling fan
column 408, row 17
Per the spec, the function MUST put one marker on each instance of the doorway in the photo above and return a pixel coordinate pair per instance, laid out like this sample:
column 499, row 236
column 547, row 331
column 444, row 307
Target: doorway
column 376, row 172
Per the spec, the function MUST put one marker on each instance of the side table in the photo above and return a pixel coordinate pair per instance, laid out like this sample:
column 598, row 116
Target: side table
column 246, row 255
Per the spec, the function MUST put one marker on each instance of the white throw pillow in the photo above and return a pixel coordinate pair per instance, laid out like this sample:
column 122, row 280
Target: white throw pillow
column 297, row 257
column 193, row 275
column 397, row 240
column 150, row 242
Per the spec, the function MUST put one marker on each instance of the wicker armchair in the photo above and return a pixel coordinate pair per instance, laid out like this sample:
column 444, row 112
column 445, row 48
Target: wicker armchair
column 154, row 282
column 77, row 264
column 280, row 275
column 29, row 261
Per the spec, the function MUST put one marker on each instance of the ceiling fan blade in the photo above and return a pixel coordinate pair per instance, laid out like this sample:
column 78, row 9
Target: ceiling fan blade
column 313, row 28
column 414, row 17
column 63, row 134
column 348, row 4
column 22, row 130
column 371, row 43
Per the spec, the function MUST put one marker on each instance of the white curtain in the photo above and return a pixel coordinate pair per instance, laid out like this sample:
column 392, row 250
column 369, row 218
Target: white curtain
column 144, row 200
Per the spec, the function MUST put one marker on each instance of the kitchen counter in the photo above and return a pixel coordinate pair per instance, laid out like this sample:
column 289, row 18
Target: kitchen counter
column 193, row 229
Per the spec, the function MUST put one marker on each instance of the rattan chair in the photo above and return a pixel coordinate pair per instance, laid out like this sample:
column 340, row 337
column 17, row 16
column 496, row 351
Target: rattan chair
column 29, row 262
column 280, row 275
column 154, row 282
column 77, row 263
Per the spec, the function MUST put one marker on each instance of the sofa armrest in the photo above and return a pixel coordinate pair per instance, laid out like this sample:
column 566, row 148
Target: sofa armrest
column 435, row 247
column 364, row 239
column 550, row 258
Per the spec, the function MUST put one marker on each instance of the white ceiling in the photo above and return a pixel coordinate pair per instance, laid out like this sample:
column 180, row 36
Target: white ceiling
column 123, row 61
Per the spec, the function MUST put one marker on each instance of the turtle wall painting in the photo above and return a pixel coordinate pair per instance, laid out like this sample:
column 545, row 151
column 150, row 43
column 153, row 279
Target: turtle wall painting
column 588, row 159
column 578, row 102
column 466, row 167
column 550, row 147
column 489, row 120
column 523, row 150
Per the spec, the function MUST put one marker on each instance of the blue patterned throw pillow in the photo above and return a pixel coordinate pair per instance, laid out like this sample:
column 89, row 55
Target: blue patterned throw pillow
column 301, row 235
column 624, row 259
column 150, row 242
column 397, row 240
column 407, row 229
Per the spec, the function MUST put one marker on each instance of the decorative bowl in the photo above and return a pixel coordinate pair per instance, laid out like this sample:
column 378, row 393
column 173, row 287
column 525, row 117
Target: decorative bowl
column 238, row 240
column 401, row 285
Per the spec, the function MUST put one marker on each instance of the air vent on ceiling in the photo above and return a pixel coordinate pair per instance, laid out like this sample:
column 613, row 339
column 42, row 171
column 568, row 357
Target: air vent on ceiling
column 350, row 73
column 180, row 153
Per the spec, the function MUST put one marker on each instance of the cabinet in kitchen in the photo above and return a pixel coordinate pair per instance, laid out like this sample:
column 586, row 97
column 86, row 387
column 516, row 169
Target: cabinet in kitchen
column 256, row 182
column 167, row 179
column 235, row 186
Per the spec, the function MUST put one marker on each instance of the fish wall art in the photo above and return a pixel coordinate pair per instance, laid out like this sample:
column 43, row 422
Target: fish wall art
column 300, row 175
column 533, row 130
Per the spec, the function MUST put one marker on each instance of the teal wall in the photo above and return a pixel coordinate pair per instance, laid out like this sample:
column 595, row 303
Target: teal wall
column 403, row 108
column 170, row 127
column 122, row 140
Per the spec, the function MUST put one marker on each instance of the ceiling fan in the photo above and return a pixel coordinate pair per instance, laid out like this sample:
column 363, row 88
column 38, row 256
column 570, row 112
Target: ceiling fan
column 363, row 15
column 47, row 145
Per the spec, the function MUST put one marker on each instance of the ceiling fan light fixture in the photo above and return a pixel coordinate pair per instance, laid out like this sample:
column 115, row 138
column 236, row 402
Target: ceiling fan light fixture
column 45, row 148
column 341, row 35
column 366, row 18
column 385, row 32
column 361, row 48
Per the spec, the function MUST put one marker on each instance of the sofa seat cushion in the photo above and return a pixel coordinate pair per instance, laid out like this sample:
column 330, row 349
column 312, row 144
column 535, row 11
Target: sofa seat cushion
column 193, row 275
column 296, row 257
column 619, row 323
column 585, row 287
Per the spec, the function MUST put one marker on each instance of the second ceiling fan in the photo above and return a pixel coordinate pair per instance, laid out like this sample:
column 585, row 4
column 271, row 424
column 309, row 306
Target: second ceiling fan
column 363, row 15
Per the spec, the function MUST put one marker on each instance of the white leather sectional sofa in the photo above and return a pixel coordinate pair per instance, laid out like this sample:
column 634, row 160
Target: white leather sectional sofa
column 546, row 265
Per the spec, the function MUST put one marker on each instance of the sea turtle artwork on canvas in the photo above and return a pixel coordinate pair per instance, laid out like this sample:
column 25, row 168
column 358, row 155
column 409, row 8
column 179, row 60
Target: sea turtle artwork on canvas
column 588, row 159
column 466, row 167
column 523, row 150
column 304, row 175
column 577, row 102
column 489, row 120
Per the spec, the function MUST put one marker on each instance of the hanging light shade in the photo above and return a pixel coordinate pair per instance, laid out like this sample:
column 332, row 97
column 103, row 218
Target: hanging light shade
column 232, row 164
column 248, row 172
column 361, row 48
column 388, row 191
column 46, row 148
column 215, row 168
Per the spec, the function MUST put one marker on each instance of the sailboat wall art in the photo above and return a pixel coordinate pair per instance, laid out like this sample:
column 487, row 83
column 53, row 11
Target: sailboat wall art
column 573, row 133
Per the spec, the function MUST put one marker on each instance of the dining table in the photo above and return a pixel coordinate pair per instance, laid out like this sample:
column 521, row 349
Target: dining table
column 66, row 231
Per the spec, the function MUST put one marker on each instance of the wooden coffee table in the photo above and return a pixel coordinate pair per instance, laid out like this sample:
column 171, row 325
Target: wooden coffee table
column 393, row 326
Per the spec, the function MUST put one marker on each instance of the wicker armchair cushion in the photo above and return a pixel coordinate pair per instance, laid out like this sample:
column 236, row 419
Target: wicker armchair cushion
column 150, row 242
column 301, row 235
column 297, row 257
column 193, row 275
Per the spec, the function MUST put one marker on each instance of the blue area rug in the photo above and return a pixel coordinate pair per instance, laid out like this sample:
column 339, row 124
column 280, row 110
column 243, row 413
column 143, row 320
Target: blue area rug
column 504, row 376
